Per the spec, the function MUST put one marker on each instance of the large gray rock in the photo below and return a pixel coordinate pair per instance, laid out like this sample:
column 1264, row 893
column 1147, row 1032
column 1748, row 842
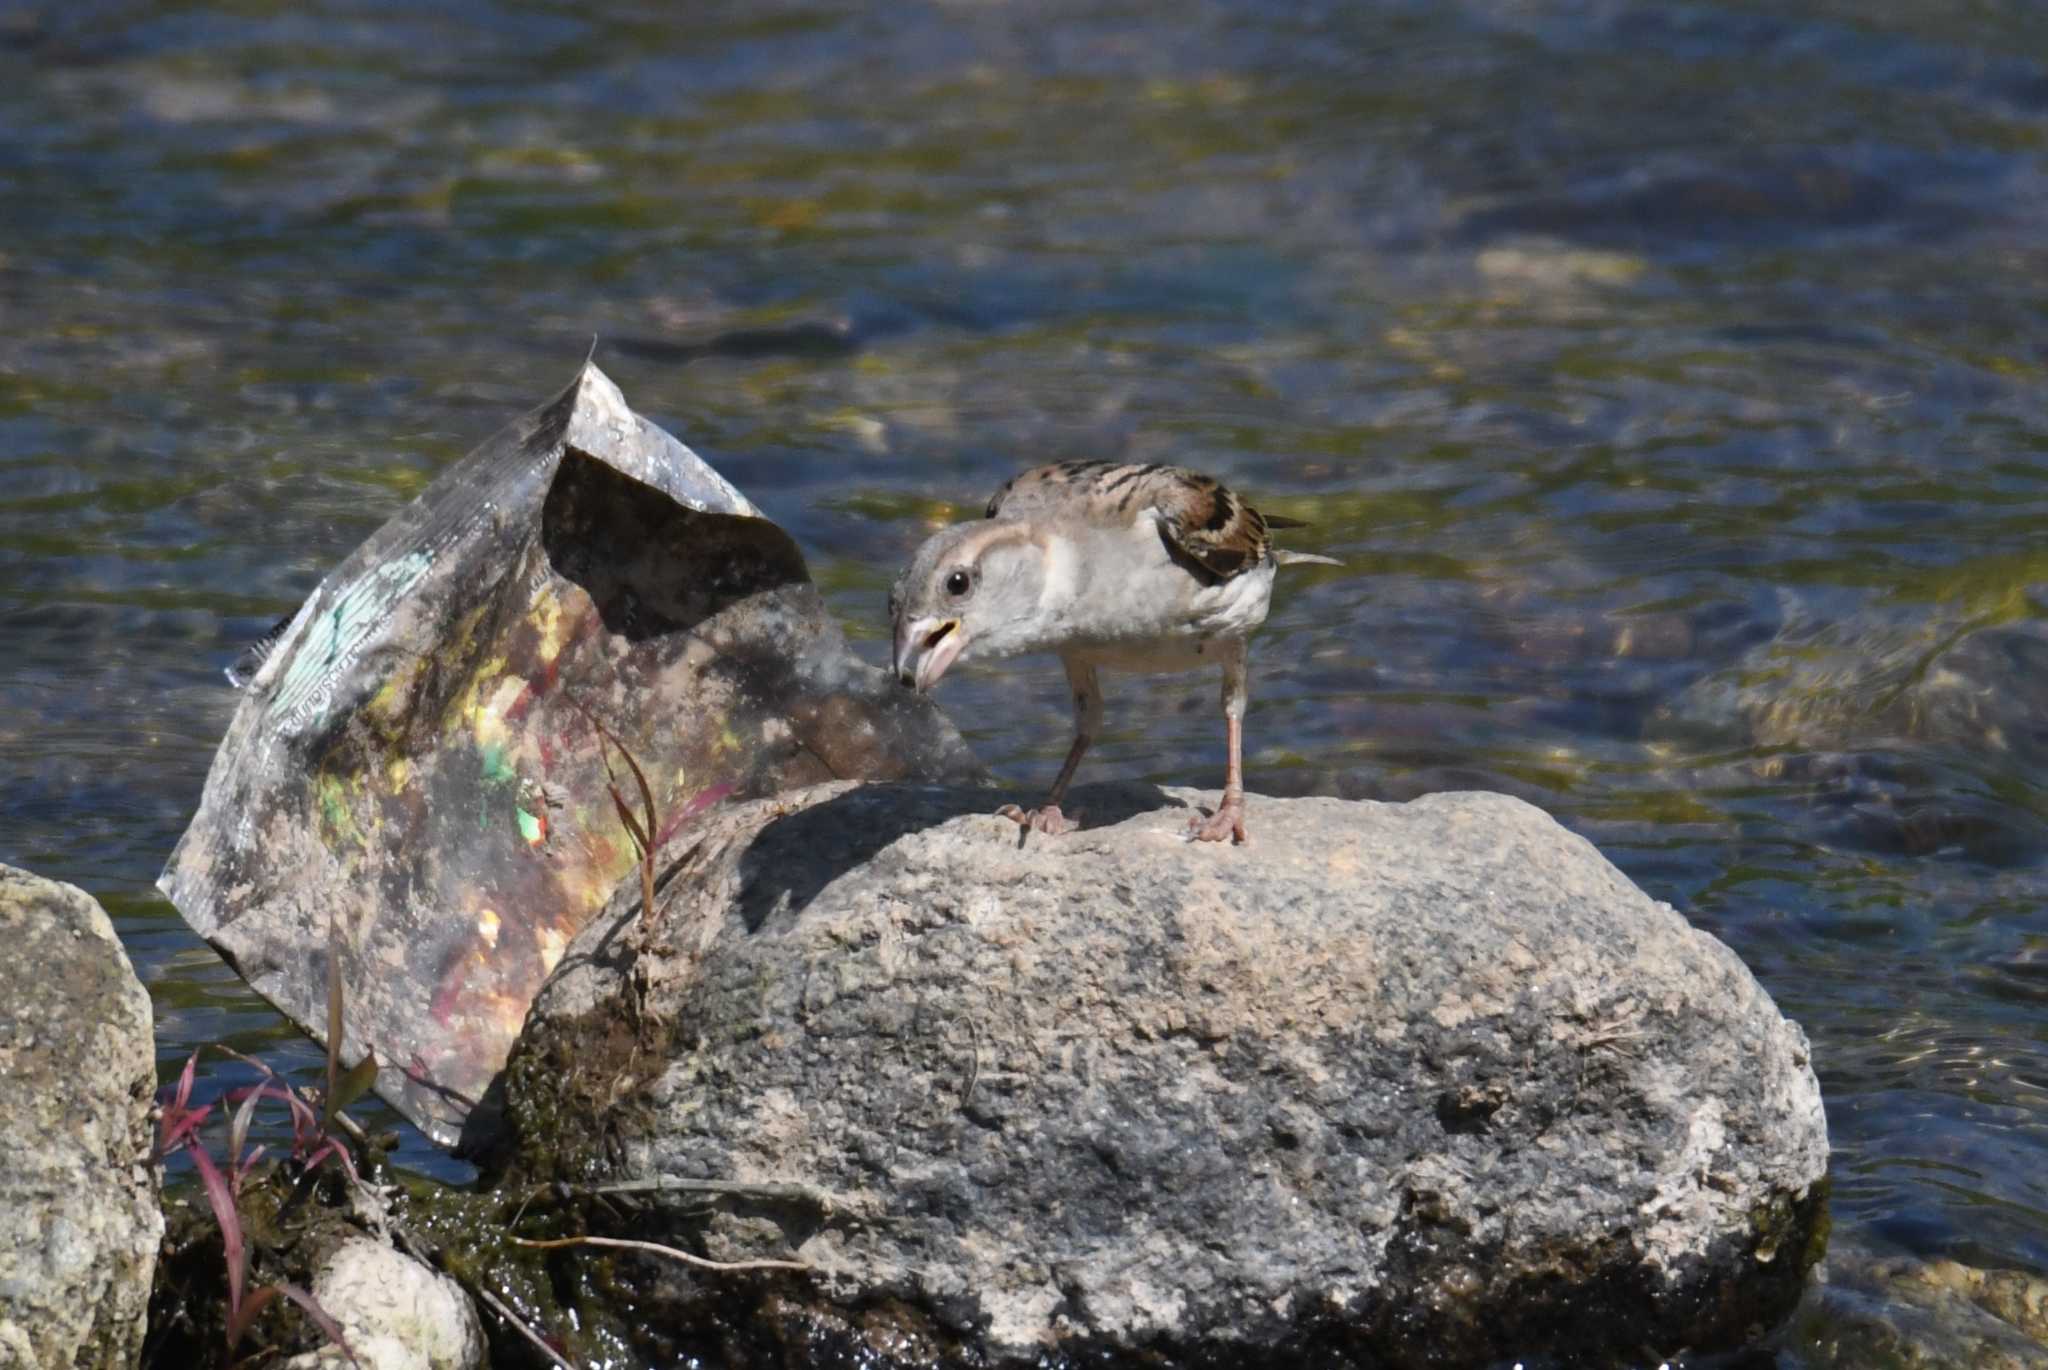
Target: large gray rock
column 79, row 1220
column 1427, row 1083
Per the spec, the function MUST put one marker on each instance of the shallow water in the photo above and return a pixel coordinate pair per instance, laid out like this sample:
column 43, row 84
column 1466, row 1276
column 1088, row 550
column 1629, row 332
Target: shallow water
column 1670, row 378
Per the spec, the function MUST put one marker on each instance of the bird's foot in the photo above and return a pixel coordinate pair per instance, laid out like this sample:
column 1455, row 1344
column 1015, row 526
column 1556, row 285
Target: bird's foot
column 1225, row 825
column 1046, row 819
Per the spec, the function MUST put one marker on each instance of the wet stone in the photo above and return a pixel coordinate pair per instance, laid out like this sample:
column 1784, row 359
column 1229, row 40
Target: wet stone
column 79, row 1221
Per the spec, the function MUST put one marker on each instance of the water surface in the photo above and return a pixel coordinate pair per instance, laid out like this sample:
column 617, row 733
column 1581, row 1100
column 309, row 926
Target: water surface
column 1670, row 377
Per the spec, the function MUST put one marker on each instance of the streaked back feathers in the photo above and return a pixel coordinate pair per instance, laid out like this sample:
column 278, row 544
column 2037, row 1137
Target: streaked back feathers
column 1207, row 527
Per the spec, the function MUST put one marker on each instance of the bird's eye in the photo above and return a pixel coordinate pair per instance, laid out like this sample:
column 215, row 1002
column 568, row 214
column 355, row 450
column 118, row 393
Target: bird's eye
column 957, row 584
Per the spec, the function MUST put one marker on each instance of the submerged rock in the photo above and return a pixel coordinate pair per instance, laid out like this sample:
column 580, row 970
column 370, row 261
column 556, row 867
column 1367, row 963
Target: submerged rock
column 79, row 1221
column 1876, row 1307
column 1427, row 1083
column 1930, row 680
column 1904, row 735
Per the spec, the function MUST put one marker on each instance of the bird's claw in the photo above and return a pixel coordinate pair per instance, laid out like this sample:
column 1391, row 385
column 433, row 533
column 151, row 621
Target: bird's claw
column 1225, row 825
column 1046, row 819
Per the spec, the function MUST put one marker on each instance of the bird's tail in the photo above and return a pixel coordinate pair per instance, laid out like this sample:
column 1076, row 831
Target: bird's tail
column 1276, row 522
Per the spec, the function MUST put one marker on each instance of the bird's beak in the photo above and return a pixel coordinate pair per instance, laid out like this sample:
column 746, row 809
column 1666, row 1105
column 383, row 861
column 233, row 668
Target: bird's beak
column 925, row 647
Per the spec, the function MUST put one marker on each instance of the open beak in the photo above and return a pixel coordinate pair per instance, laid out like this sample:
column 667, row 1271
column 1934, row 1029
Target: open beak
column 925, row 647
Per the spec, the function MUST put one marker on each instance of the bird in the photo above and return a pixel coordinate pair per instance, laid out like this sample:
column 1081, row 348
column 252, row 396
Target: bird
column 1113, row 567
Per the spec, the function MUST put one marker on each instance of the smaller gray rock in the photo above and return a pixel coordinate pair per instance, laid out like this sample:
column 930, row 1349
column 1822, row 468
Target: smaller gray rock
column 396, row 1313
column 79, row 1213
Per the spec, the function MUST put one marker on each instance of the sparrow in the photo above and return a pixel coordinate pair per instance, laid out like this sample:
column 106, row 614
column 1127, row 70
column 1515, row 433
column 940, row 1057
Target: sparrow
column 1112, row 567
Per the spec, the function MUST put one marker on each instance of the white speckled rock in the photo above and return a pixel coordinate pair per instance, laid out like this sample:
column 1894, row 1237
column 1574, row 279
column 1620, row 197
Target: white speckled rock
column 396, row 1313
column 1426, row 1083
column 79, row 1214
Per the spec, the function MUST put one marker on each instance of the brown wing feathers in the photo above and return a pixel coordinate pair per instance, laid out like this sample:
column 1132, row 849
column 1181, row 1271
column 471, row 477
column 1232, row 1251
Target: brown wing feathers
column 1211, row 526
column 1206, row 527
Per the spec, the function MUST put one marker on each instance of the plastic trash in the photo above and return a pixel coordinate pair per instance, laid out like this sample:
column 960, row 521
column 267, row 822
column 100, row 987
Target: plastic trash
column 428, row 752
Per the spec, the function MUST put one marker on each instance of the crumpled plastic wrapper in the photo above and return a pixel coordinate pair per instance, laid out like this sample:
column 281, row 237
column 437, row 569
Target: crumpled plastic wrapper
column 428, row 755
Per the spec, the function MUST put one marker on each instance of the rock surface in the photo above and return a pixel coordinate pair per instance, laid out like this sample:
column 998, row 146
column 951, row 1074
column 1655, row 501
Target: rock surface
column 79, row 1219
column 397, row 1313
column 1428, row 1083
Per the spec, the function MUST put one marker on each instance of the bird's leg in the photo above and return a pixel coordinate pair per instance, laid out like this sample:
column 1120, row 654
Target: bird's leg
column 1228, row 821
column 1087, row 691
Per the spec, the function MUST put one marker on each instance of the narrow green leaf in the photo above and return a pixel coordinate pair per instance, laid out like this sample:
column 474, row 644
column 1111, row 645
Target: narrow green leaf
column 353, row 1085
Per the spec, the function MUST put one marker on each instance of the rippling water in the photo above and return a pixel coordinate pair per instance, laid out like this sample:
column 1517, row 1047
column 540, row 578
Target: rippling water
column 1670, row 376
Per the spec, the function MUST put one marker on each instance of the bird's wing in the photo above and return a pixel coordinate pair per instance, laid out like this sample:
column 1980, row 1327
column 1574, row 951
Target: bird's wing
column 1206, row 528
column 1208, row 525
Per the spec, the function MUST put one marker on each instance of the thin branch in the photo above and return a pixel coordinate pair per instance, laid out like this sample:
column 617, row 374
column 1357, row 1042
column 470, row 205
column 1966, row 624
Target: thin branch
column 657, row 1249
column 498, row 1306
column 354, row 1131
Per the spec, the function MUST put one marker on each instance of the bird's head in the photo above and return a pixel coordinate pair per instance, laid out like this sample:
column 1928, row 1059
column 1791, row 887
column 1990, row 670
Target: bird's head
column 975, row 588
